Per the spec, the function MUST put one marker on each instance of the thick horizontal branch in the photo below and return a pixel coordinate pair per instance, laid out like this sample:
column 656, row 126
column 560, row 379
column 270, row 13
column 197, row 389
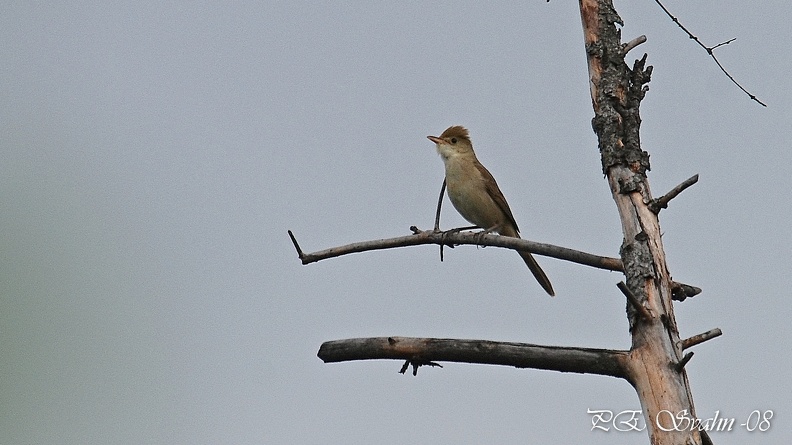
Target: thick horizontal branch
column 452, row 238
column 520, row 355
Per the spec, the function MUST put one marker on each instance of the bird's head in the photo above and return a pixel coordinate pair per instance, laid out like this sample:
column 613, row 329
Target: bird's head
column 454, row 141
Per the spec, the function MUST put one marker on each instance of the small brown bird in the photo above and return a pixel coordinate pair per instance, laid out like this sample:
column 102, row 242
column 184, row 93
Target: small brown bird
column 475, row 194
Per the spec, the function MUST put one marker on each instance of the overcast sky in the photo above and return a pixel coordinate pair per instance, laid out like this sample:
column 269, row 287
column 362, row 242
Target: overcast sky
column 154, row 155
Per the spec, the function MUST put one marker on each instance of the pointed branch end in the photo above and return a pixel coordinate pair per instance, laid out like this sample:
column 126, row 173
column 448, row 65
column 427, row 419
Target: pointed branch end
column 634, row 301
column 300, row 253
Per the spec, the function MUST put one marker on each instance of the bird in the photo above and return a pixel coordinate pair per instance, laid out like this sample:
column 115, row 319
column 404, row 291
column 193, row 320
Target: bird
column 475, row 194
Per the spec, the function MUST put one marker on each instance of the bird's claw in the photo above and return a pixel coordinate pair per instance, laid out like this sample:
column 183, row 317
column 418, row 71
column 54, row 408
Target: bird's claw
column 445, row 234
column 480, row 235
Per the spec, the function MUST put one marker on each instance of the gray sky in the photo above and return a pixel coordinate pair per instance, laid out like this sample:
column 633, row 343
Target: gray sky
column 155, row 153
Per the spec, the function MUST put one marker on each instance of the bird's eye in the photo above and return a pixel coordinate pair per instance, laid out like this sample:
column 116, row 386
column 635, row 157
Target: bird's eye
column 453, row 140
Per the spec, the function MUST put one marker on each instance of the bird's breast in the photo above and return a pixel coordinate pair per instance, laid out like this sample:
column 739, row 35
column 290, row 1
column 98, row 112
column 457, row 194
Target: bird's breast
column 468, row 193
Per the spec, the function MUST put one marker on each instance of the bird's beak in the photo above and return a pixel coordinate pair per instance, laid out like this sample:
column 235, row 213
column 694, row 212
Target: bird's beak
column 435, row 139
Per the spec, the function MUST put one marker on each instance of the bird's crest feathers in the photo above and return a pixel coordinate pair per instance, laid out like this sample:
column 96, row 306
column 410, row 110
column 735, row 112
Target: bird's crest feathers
column 456, row 131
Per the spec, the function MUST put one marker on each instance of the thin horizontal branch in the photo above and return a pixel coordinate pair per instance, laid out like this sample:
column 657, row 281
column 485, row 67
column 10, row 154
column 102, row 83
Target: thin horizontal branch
column 520, row 355
column 662, row 202
column 451, row 238
column 701, row 338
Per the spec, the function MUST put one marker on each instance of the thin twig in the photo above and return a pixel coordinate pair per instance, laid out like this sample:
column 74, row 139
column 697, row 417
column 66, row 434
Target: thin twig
column 710, row 52
column 701, row 338
column 439, row 205
column 437, row 215
column 662, row 202
column 723, row 43
column 634, row 301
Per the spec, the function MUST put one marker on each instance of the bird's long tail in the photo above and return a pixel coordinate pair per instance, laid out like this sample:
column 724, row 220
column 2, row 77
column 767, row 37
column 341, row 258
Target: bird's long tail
column 537, row 272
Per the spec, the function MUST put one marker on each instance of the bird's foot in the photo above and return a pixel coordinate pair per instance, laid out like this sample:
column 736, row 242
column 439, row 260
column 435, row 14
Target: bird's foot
column 480, row 235
column 445, row 234
column 453, row 231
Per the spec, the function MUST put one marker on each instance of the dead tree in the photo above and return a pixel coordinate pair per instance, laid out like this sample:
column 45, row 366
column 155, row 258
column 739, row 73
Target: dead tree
column 655, row 363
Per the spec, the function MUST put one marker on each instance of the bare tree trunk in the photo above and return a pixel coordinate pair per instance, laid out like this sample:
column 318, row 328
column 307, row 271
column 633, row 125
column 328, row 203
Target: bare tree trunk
column 656, row 364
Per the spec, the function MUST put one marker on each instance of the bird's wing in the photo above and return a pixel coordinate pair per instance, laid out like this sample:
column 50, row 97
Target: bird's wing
column 495, row 193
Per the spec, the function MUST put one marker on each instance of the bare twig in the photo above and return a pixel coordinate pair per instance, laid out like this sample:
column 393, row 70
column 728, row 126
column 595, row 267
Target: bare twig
column 701, row 338
column 439, row 205
column 437, row 215
column 421, row 237
column 710, row 51
column 662, row 202
column 634, row 301
column 723, row 43
column 423, row 351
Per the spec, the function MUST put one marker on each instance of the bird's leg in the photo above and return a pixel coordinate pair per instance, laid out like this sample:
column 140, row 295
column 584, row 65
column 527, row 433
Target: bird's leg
column 459, row 229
